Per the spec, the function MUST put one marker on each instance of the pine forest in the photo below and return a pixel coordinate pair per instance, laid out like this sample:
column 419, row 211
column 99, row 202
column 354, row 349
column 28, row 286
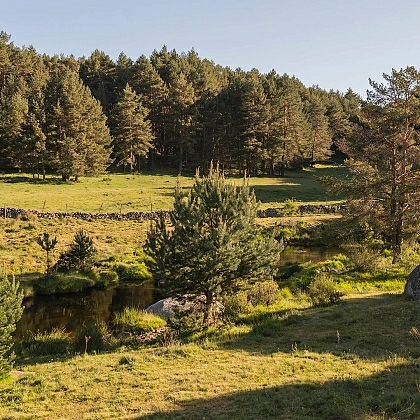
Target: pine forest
column 173, row 111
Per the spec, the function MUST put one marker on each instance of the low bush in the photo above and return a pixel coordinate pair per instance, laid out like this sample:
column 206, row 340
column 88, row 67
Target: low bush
column 135, row 272
column 106, row 278
column 364, row 258
column 263, row 293
column 137, row 321
column 322, row 291
column 236, row 305
column 289, row 208
column 92, row 337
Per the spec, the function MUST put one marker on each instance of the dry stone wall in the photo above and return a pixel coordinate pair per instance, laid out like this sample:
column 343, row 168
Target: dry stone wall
column 14, row 213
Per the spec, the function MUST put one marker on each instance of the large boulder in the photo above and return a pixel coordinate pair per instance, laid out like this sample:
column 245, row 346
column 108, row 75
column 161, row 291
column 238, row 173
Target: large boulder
column 169, row 307
column 412, row 286
column 166, row 308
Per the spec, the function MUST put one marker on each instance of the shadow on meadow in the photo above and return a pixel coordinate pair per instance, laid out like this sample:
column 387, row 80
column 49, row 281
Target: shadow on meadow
column 389, row 394
column 370, row 328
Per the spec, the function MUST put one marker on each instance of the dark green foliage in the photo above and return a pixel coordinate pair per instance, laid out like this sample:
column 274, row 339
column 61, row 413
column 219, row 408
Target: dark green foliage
column 80, row 256
column 287, row 270
column 10, row 312
column 56, row 114
column 383, row 190
column 213, row 244
column 132, row 136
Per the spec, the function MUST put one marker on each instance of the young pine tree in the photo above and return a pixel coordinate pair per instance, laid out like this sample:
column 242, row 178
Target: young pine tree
column 10, row 312
column 213, row 245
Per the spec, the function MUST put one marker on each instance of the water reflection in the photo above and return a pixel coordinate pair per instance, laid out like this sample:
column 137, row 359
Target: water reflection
column 70, row 311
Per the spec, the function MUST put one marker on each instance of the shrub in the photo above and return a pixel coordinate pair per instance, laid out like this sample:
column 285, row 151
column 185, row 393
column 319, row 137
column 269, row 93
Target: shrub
column 236, row 305
column 136, row 272
column 289, row 208
column 263, row 293
column 80, row 255
column 364, row 258
column 322, row 291
column 137, row 321
column 107, row 278
column 92, row 337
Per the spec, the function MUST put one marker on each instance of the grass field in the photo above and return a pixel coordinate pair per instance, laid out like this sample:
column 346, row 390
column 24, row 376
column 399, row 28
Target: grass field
column 125, row 193
column 355, row 360
column 20, row 253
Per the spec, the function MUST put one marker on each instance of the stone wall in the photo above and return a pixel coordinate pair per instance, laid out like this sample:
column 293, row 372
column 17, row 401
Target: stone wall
column 13, row 213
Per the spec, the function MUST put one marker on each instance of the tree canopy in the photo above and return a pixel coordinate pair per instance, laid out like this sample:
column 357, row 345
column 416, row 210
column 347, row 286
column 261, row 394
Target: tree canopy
column 58, row 114
column 384, row 151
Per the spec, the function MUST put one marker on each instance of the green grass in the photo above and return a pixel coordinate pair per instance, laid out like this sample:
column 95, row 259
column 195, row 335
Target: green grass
column 19, row 252
column 354, row 360
column 142, row 192
column 137, row 321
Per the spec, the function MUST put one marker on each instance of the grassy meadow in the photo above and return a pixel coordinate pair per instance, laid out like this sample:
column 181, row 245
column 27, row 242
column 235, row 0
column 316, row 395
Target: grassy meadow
column 355, row 360
column 115, row 193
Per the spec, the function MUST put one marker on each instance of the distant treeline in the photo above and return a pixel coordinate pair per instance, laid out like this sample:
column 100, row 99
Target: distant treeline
column 77, row 117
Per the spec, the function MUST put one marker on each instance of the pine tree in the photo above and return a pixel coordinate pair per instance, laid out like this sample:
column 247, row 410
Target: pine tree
column 10, row 312
column 132, row 131
column 78, row 138
column 181, row 114
column 256, row 116
column 384, row 151
column 320, row 141
column 287, row 127
column 213, row 246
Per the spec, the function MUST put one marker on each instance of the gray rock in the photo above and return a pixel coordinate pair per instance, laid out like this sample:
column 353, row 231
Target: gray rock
column 412, row 286
column 167, row 308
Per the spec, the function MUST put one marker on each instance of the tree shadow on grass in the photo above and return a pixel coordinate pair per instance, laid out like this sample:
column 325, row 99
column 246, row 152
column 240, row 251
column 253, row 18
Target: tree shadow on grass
column 370, row 327
column 390, row 394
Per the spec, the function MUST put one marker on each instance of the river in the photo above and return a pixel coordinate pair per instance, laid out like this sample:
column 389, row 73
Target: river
column 72, row 310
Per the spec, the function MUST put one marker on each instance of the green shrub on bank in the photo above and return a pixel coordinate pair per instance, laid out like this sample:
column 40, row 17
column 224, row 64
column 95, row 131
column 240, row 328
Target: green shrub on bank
column 135, row 272
column 63, row 283
column 106, row 278
column 322, row 291
column 137, row 321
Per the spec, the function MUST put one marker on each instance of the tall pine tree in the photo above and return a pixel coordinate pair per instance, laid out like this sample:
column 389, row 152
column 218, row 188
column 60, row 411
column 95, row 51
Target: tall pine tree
column 132, row 131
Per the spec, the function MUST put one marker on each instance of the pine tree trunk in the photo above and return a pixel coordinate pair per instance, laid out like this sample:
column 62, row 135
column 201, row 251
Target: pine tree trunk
column 208, row 308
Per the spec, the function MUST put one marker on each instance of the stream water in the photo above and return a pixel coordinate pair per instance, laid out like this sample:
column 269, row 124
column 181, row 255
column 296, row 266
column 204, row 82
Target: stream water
column 72, row 310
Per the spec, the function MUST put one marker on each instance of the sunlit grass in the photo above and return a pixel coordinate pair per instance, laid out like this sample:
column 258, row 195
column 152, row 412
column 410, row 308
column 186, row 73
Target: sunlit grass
column 353, row 360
